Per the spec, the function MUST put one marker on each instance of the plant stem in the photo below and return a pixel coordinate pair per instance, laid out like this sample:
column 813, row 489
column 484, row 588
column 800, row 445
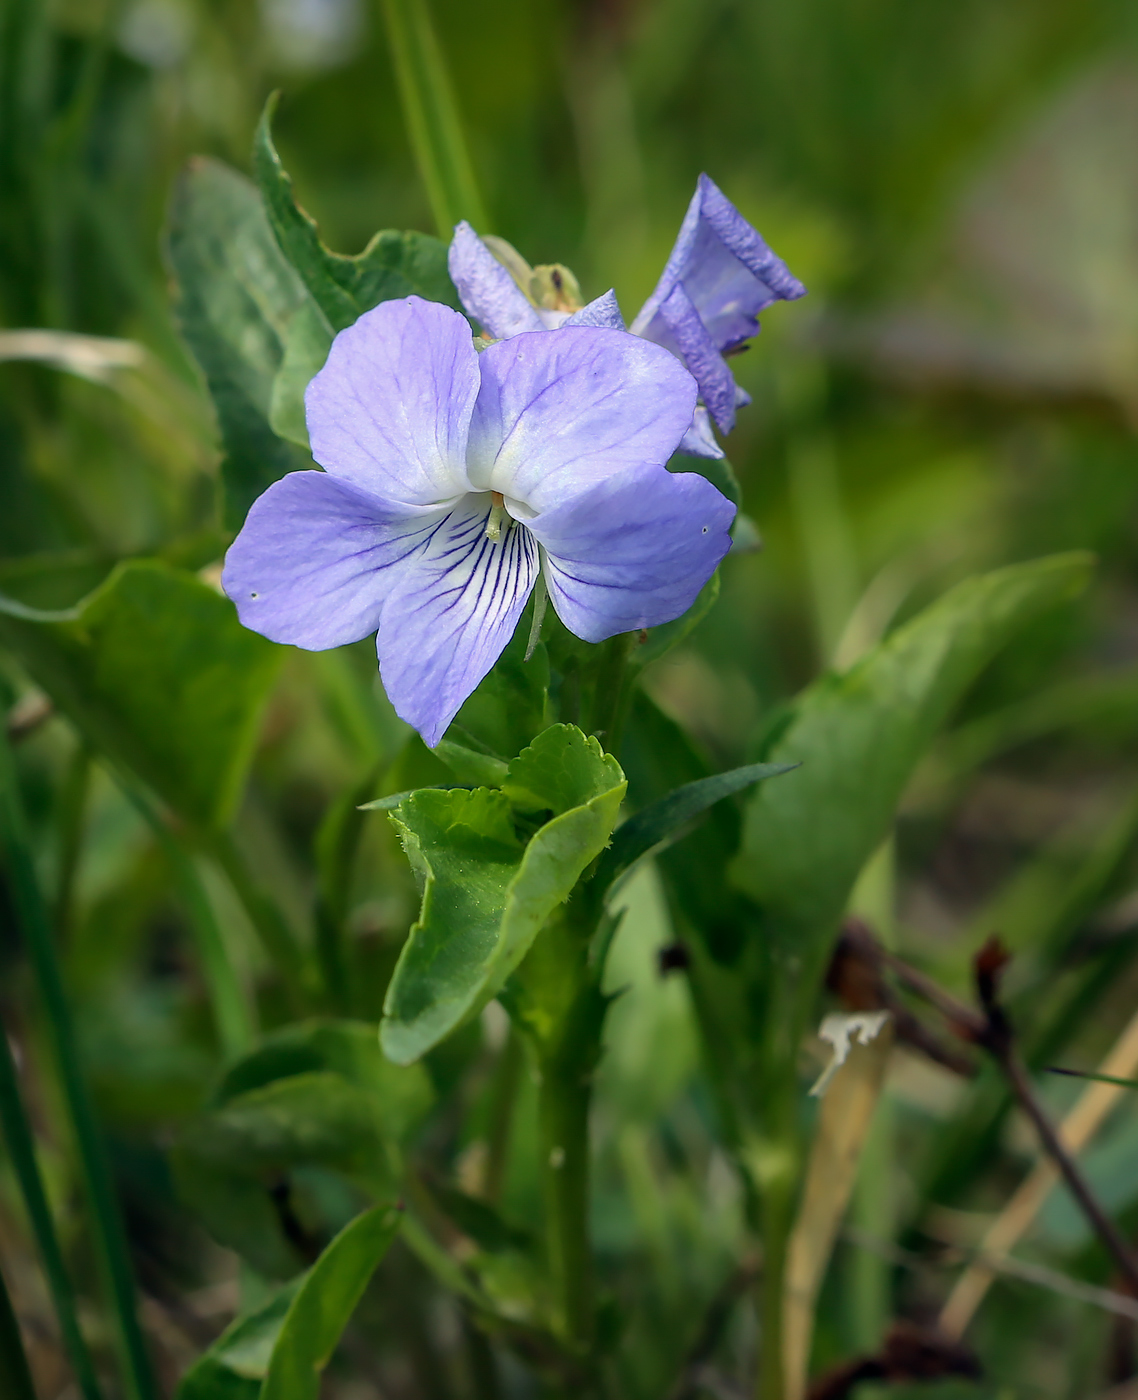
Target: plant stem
column 772, row 1158
column 611, row 691
column 107, row 1228
column 432, row 117
column 21, row 1149
column 563, row 1109
column 777, row 1217
column 14, row 1368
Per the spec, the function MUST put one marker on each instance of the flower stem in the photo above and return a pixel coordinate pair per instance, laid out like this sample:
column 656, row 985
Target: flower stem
column 13, row 1359
column 433, row 121
column 107, row 1228
column 610, row 690
column 773, row 1162
column 21, row 1149
column 563, row 1107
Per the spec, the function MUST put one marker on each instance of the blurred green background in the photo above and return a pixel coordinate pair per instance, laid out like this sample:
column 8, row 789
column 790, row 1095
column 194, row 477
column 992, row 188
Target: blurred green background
column 956, row 183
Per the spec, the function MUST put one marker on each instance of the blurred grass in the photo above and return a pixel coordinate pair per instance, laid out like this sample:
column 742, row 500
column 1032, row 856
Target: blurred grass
column 955, row 183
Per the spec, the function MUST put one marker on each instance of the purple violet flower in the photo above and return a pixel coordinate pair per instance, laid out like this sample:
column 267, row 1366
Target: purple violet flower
column 452, row 478
column 719, row 276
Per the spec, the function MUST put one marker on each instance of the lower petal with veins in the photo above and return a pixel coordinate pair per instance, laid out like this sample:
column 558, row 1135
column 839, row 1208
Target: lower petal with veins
column 451, row 610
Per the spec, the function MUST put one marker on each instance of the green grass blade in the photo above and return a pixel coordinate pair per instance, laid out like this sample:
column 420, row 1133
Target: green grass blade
column 15, row 1372
column 106, row 1223
column 21, row 1149
column 432, row 117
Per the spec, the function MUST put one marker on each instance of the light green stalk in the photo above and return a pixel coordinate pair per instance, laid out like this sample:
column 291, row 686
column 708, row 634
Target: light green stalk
column 433, row 121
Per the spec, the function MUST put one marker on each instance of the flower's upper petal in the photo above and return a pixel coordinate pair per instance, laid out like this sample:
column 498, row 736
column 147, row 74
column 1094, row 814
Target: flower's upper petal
column 312, row 563
column 699, row 440
column 688, row 336
column 391, row 408
column 450, row 611
column 560, row 411
column 603, row 311
column 634, row 550
column 487, row 290
column 725, row 267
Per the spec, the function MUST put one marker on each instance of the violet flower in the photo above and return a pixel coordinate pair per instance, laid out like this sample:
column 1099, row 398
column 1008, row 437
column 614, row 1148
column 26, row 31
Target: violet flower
column 452, row 478
column 719, row 277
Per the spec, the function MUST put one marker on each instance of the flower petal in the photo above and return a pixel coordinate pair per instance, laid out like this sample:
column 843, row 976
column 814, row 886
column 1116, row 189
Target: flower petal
column 310, row 566
column 689, row 337
column 725, row 267
column 560, row 411
column 633, row 551
column 390, row 410
column 603, row 311
column 487, row 290
column 450, row 611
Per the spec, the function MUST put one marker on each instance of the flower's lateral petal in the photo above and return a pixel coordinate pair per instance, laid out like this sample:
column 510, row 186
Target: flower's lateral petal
column 390, row 410
column 689, row 337
column 699, row 440
column 604, row 311
column 312, row 563
column 450, row 611
column 726, row 268
column 633, row 551
column 558, row 412
column 487, row 290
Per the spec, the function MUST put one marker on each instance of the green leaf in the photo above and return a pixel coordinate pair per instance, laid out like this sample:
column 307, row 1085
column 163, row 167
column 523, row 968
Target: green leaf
column 232, row 1165
column 324, row 1302
column 305, row 350
column 859, row 735
column 279, row 1349
column 156, row 671
column 237, row 297
column 637, row 836
column 486, row 894
column 471, row 768
column 392, row 265
column 402, row 1094
column 235, row 1365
